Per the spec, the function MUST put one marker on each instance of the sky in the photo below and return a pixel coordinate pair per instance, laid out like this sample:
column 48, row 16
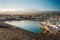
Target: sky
column 49, row 5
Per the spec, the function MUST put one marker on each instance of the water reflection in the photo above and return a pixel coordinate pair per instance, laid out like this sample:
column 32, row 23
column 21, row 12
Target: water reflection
column 33, row 26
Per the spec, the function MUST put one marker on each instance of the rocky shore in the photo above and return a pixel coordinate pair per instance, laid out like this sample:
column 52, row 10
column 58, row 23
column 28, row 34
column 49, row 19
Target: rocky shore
column 20, row 34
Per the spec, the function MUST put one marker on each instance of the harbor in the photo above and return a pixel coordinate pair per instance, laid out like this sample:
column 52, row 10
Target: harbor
column 49, row 22
column 29, row 19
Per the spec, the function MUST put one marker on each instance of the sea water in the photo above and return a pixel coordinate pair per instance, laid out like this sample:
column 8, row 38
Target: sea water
column 32, row 26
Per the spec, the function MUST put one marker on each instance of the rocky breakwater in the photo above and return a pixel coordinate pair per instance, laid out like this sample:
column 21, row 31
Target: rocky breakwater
column 7, row 33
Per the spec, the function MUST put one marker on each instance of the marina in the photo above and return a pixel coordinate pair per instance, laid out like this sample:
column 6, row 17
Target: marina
column 49, row 21
column 29, row 19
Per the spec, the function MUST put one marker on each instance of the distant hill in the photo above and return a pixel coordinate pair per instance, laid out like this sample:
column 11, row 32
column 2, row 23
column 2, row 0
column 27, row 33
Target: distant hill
column 25, row 11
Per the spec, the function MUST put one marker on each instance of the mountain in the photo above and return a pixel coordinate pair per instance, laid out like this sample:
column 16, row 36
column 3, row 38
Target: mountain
column 25, row 11
column 18, row 11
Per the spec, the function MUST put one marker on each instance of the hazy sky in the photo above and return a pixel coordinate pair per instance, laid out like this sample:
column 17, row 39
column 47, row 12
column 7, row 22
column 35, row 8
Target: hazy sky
column 30, row 4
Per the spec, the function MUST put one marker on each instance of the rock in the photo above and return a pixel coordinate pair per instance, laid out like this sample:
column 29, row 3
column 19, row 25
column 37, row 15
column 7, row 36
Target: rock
column 21, row 34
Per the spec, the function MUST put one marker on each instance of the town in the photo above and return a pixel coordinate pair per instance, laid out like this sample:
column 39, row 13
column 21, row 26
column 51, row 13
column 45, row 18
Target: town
column 35, row 16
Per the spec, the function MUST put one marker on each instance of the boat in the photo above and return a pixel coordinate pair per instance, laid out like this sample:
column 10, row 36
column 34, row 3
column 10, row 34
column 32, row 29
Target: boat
column 48, row 27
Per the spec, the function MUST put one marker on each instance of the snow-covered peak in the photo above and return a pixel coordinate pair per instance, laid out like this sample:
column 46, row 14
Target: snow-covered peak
column 14, row 10
column 18, row 11
column 10, row 10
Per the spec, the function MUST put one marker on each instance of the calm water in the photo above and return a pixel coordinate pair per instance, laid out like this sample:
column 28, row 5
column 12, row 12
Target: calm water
column 33, row 26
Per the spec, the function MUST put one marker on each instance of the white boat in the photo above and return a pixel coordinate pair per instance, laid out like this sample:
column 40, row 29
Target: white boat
column 49, row 27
